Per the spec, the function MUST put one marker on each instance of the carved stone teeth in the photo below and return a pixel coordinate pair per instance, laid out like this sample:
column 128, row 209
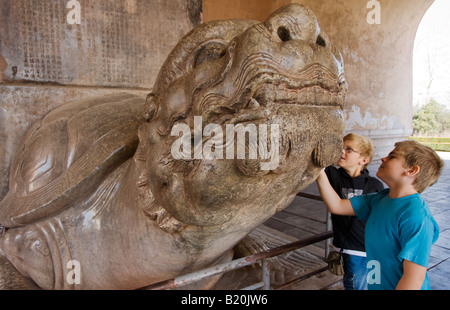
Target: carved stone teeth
column 313, row 94
column 302, row 98
column 293, row 95
column 310, row 96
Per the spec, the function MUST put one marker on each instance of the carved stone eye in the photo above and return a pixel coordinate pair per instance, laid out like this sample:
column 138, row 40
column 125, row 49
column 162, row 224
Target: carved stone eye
column 209, row 52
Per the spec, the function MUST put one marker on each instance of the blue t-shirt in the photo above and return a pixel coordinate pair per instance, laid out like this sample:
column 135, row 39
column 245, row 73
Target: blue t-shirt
column 396, row 229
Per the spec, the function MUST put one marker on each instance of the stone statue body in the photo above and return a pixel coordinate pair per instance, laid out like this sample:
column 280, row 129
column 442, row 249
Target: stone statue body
column 95, row 181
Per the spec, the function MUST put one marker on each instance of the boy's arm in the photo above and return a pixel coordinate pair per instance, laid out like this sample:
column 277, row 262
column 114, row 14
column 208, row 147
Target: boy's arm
column 413, row 276
column 334, row 203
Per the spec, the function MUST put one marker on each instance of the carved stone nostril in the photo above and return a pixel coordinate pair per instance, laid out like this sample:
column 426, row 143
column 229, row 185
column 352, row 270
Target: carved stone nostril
column 294, row 22
column 321, row 41
column 284, row 34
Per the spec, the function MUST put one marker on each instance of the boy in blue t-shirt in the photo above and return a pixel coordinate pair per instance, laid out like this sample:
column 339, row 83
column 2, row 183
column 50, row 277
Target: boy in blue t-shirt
column 400, row 228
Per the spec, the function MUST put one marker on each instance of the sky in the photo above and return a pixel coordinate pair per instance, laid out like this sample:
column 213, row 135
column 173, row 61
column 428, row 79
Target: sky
column 432, row 56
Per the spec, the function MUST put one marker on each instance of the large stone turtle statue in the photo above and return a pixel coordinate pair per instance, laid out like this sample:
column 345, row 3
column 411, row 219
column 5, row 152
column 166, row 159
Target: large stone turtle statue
column 96, row 181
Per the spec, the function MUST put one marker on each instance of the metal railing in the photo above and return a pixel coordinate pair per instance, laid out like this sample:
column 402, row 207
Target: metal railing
column 328, row 219
column 250, row 260
column 242, row 262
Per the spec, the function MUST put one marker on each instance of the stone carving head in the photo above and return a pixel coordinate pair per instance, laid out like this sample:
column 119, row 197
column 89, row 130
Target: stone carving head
column 282, row 72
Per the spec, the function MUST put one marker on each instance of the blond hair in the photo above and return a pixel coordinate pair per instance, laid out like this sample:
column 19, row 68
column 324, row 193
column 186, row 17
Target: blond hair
column 364, row 145
column 417, row 154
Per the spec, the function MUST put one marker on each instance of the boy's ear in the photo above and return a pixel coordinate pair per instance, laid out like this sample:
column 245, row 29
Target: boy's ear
column 364, row 161
column 414, row 170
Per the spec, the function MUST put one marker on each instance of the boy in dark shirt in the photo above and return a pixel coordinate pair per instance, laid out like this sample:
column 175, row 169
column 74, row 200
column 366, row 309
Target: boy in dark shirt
column 350, row 180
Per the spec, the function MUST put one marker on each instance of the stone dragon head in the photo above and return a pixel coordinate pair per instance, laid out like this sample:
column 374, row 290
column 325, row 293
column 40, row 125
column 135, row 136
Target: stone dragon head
column 282, row 72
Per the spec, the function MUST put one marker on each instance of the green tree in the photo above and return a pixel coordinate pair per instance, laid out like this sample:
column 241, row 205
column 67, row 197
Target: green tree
column 431, row 119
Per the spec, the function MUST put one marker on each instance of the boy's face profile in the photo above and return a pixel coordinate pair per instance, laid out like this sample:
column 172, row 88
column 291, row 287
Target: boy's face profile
column 350, row 156
column 392, row 167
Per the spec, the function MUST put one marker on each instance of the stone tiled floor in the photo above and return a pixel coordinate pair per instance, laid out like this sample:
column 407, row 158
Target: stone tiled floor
column 438, row 198
column 306, row 217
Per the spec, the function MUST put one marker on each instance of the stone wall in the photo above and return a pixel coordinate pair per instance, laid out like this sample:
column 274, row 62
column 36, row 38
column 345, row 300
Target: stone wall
column 243, row 9
column 54, row 52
